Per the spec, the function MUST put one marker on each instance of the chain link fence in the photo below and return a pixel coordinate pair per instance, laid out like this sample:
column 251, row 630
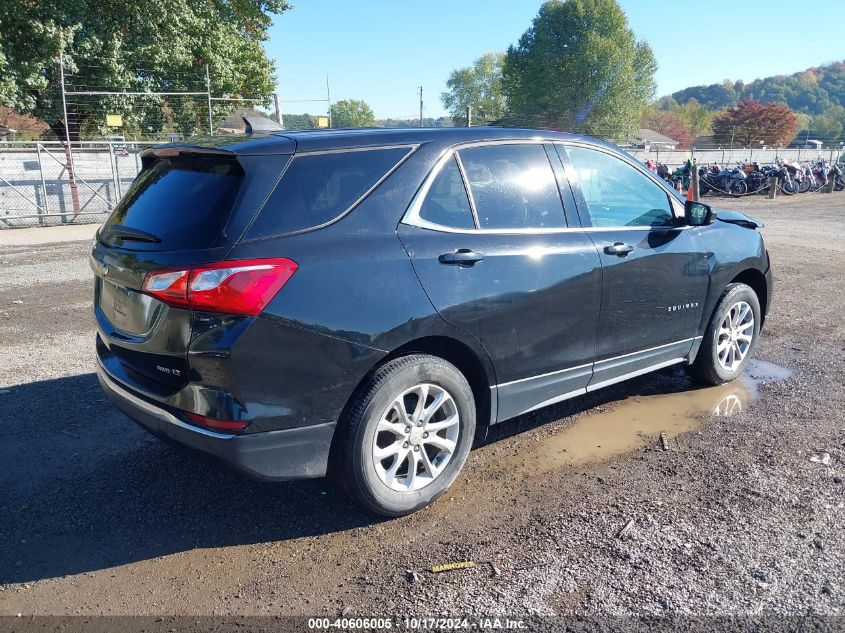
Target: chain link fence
column 36, row 188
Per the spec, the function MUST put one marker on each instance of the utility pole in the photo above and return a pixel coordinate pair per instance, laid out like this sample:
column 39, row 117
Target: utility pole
column 74, row 192
column 421, row 107
column 279, row 116
column 208, row 92
column 329, row 99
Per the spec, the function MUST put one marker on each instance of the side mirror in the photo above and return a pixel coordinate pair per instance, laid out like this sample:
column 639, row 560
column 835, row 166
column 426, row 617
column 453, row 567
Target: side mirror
column 697, row 214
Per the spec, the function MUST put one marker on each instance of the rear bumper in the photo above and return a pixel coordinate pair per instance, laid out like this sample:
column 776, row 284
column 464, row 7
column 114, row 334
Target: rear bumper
column 297, row 453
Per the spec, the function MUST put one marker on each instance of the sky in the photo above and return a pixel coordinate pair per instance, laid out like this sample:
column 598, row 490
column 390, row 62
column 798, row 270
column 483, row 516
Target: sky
column 383, row 51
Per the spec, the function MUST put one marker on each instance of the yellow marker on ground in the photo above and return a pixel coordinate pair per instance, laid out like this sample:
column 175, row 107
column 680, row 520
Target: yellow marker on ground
column 466, row 564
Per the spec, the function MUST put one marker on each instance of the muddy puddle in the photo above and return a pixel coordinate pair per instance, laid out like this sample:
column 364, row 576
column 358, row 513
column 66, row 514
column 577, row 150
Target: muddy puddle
column 640, row 420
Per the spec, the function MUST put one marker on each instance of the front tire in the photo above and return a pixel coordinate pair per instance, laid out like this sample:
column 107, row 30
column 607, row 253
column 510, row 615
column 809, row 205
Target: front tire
column 804, row 185
column 789, row 187
column 730, row 337
column 407, row 435
column 738, row 188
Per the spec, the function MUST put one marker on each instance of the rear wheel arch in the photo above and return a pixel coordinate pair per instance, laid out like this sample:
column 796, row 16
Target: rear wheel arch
column 468, row 363
column 459, row 354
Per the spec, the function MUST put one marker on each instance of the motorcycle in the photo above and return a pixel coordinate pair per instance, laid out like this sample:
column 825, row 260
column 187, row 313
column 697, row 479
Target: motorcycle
column 790, row 178
column 821, row 173
column 839, row 177
column 728, row 181
column 681, row 177
column 755, row 179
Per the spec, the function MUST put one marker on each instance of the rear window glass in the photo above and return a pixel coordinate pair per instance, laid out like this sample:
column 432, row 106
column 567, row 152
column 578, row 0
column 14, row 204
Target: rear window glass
column 184, row 201
column 446, row 203
column 317, row 188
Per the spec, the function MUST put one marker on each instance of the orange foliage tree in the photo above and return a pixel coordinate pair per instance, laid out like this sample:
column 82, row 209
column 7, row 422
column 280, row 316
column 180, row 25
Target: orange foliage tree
column 751, row 123
column 669, row 125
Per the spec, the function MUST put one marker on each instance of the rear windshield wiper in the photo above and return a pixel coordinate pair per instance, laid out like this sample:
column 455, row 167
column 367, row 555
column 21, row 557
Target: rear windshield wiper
column 129, row 234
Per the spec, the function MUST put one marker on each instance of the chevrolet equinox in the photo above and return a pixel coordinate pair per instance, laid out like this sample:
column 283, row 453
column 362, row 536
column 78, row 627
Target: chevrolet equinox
column 357, row 302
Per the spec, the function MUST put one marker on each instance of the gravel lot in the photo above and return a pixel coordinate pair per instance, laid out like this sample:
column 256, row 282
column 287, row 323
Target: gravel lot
column 97, row 517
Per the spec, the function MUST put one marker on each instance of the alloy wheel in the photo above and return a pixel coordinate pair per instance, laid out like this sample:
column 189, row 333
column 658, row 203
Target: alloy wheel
column 416, row 438
column 736, row 333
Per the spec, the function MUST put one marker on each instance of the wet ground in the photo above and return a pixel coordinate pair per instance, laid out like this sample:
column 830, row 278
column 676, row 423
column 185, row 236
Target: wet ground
column 651, row 497
column 634, row 422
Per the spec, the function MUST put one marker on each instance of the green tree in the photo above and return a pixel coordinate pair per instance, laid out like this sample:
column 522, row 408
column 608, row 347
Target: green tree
column 812, row 91
column 830, row 124
column 712, row 97
column 478, row 86
column 694, row 117
column 300, row 121
column 132, row 46
column 804, row 121
column 579, row 66
column 352, row 113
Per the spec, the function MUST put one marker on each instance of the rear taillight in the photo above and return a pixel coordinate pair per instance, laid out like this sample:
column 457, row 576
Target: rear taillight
column 243, row 286
column 214, row 423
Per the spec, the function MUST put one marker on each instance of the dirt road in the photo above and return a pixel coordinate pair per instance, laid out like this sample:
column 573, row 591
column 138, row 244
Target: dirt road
column 97, row 517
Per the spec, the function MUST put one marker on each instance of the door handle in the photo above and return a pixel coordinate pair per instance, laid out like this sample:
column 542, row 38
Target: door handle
column 619, row 248
column 461, row 256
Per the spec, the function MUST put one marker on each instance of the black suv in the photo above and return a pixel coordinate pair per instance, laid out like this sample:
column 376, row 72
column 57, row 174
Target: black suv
column 357, row 302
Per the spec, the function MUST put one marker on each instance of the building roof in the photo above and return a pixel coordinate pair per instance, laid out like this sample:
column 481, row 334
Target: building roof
column 655, row 138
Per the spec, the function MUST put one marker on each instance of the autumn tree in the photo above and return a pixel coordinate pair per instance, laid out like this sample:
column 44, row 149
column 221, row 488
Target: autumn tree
column 132, row 46
column 352, row 113
column 750, row 123
column 669, row 125
column 26, row 127
column 478, row 86
column 580, row 67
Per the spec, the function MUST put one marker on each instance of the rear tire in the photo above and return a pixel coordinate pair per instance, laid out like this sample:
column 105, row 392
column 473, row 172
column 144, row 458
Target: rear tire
column 407, row 435
column 726, row 347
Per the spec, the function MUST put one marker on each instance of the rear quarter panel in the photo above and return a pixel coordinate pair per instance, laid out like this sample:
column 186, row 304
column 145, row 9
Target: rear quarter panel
column 353, row 300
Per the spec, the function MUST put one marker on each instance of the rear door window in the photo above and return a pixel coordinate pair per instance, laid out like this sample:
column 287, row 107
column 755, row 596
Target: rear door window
column 318, row 188
column 513, row 187
column 184, row 201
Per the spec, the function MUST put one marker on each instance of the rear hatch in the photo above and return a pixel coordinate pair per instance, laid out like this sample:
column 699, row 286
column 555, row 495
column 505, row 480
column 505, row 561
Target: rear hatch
column 187, row 206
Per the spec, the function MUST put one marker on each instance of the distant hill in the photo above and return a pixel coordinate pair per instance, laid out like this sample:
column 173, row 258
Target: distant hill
column 813, row 91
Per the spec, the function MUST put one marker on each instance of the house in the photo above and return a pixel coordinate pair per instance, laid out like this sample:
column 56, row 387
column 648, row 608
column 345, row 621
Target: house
column 806, row 143
column 234, row 123
column 705, row 142
column 647, row 139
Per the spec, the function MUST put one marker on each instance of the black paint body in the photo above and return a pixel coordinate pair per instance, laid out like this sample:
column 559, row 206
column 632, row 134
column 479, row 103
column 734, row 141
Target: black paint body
column 543, row 316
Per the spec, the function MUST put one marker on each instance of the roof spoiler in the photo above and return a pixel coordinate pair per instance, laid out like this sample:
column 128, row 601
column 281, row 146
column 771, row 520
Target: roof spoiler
column 260, row 125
